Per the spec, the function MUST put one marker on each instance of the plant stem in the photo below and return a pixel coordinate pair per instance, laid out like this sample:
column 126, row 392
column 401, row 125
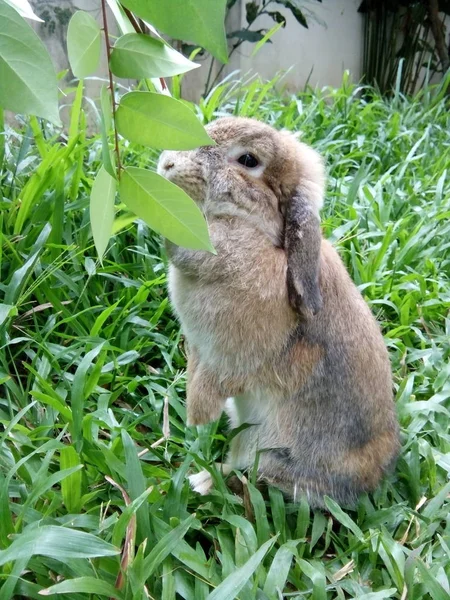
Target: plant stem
column 111, row 87
column 141, row 29
column 132, row 20
column 209, row 75
column 220, row 71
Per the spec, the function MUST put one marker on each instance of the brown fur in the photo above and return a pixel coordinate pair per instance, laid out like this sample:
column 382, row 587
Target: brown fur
column 274, row 320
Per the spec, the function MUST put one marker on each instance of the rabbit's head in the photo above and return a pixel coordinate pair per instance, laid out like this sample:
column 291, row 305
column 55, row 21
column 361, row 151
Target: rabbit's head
column 255, row 172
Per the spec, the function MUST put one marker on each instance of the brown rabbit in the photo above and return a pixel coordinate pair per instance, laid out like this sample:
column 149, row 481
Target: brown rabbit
column 277, row 332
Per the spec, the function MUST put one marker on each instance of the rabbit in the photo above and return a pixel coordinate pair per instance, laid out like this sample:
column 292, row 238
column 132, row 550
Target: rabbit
column 277, row 334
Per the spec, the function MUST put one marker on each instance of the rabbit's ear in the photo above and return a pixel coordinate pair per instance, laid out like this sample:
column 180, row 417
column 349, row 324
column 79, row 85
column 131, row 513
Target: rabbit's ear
column 303, row 239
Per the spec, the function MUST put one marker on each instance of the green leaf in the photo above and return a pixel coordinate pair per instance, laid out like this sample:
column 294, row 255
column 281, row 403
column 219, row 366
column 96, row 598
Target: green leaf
column 102, row 209
column 297, row 13
column 233, row 584
column 249, row 36
column 83, row 44
column 246, row 529
column 136, row 55
column 381, row 595
column 166, row 545
column 259, row 508
column 128, row 514
column 71, row 485
column 83, row 585
column 314, row 570
column 27, row 77
column 21, row 276
column 302, row 518
column 54, row 403
column 56, row 235
column 159, row 121
column 123, row 221
column 11, row 581
column 197, row 21
column 318, row 528
column 61, row 543
column 266, row 38
column 251, row 12
column 105, row 106
column 6, row 311
column 78, row 394
column 136, row 483
column 433, row 587
column 75, row 112
column 105, row 128
column 436, row 502
column 343, row 518
column 185, row 553
column 122, row 20
column 165, row 208
column 279, row 569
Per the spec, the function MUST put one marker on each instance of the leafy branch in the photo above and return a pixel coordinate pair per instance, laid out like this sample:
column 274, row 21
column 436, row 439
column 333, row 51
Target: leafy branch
column 111, row 87
column 150, row 118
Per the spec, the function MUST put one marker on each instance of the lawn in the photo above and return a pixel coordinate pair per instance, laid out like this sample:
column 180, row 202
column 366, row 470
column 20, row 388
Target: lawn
column 95, row 453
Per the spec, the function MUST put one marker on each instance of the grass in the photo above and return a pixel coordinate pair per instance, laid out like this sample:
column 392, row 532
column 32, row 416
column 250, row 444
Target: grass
column 94, row 450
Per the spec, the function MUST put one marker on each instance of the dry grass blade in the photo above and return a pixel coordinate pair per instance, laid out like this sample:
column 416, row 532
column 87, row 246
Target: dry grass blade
column 345, row 570
column 412, row 520
column 130, row 537
column 39, row 308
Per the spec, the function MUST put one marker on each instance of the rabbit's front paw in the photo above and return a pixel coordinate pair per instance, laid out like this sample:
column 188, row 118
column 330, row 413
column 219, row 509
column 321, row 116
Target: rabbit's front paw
column 201, row 413
column 201, row 483
column 204, row 401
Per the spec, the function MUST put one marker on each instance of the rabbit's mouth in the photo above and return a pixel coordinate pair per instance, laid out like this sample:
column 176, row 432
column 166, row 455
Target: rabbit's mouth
column 180, row 169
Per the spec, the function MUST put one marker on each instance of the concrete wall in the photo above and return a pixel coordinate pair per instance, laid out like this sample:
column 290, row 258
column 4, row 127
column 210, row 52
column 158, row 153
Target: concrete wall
column 332, row 43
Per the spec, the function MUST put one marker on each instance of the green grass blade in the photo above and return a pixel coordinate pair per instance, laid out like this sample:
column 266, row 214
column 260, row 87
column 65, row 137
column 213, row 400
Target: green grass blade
column 234, row 583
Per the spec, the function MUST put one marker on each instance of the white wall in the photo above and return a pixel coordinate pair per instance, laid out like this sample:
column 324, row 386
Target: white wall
column 332, row 43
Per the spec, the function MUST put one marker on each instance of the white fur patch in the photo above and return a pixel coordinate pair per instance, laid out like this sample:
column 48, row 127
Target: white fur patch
column 231, row 410
column 202, row 482
column 253, row 408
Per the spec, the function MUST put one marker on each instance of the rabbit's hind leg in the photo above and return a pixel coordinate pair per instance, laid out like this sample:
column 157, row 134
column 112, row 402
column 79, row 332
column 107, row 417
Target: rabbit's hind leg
column 277, row 468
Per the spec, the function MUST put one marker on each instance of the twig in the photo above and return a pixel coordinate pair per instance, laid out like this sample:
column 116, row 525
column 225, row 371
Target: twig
column 222, row 67
column 138, row 29
column 208, row 79
column 111, row 87
column 132, row 20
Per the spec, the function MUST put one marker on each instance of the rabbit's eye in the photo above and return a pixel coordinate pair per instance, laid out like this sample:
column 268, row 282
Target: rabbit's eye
column 248, row 160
